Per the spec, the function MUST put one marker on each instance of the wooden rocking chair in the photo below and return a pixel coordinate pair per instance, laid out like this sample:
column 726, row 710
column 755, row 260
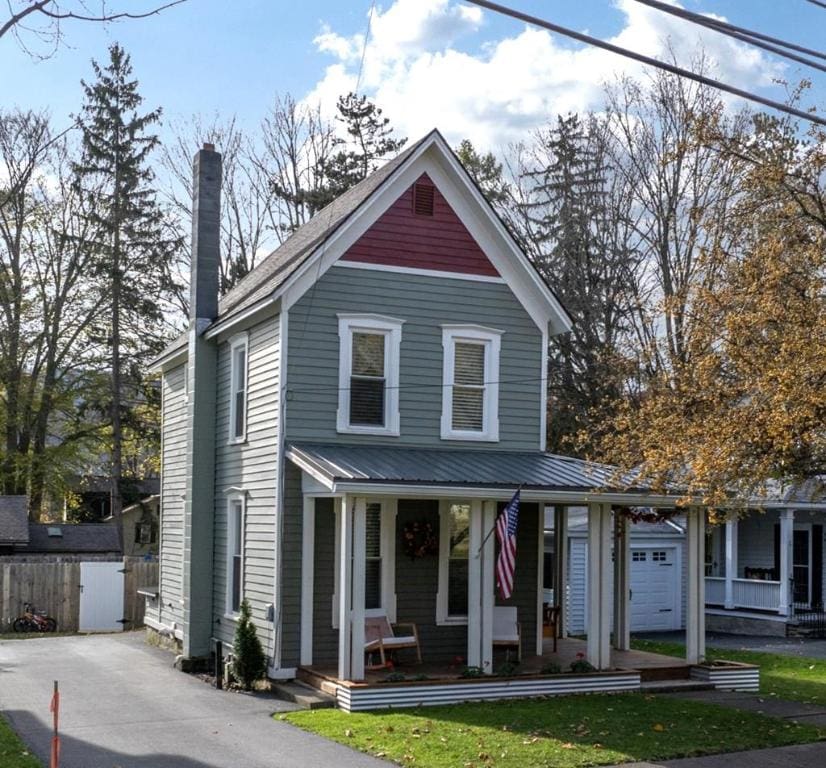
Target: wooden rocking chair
column 379, row 636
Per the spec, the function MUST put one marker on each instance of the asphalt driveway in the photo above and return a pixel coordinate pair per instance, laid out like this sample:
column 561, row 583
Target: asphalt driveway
column 787, row 646
column 124, row 706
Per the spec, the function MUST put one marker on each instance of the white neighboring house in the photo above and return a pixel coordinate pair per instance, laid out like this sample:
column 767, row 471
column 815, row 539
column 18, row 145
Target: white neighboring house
column 657, row 578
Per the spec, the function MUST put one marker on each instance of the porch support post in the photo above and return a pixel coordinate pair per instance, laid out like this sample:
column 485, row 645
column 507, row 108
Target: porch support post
column 345, row 593
column 786, row 540
column 307, row 571
column 731, row 561
column 695, row 624
column 622, row 559
column 487, row 597
column 561, row 563
column 474, row 586
column 540, row 580
column 359, row 578
column 599, row 579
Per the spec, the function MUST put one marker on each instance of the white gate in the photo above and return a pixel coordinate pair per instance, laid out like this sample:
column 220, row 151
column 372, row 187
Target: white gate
column 101, row 597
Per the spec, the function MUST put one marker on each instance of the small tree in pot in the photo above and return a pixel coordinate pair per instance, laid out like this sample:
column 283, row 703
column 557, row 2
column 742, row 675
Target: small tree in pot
column 249, row 662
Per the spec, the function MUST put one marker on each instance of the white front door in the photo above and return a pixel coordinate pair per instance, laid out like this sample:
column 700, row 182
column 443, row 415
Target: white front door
column 654, row 589
column 101, row 597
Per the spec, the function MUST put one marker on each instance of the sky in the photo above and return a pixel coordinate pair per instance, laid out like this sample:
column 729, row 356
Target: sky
column 428, row 63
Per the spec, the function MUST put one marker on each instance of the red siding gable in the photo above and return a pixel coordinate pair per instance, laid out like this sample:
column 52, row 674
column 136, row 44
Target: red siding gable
column 403, row 238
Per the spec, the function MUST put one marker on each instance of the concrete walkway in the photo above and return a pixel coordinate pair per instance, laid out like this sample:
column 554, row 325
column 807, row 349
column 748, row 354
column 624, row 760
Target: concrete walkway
column 122, row 704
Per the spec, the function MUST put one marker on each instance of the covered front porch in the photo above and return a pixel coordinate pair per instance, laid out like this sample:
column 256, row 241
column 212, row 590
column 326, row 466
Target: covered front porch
column 361, row 505
column 767, row 563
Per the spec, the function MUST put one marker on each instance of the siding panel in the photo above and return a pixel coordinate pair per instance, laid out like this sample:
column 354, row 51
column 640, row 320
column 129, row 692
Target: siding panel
column 424, row 303
column 253, row 467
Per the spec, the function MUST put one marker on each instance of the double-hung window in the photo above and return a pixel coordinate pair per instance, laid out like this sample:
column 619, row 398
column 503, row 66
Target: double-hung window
column 368, row 400
column 235, row 553
column 454, row 549
column 470, row 395
column 238, row 389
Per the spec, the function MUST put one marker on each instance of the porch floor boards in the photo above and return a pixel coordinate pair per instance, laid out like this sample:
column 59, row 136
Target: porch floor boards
column 653, row 666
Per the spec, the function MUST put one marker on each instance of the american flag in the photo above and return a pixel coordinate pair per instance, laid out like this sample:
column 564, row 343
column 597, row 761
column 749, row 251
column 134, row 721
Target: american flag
column 506, row 533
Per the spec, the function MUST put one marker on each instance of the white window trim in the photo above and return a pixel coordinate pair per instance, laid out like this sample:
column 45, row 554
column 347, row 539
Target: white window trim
column 442, row 616
column 234, row 497
column 389, row 510
column 392, row 329
column 492, row 339
column 235, row 343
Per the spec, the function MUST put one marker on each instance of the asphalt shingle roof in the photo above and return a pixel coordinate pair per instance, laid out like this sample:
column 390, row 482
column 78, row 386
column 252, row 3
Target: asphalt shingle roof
column 83, row 537
column 14, row 519
column 424, row 466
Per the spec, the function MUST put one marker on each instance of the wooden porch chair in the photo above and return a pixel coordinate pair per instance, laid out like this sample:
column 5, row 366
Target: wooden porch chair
column 379, row 636
column 506, row 629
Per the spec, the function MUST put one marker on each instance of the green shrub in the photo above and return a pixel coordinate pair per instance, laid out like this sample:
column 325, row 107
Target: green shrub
column 582, row 665
column 394, row 677
column 508, row 669
column 249, row 662
column 551, row 668
column 471, row 672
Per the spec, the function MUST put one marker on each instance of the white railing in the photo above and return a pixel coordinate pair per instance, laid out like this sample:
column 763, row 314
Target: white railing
column 747, row 593
column 760, row 595
column 715, row 590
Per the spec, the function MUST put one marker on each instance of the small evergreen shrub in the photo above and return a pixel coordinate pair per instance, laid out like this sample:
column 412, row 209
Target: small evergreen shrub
column 394, row 677
column 508, row 669
column 582, row 665
column 249, row 662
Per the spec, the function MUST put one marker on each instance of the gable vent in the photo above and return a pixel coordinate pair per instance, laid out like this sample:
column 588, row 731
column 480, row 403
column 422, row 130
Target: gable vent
column 423, row 199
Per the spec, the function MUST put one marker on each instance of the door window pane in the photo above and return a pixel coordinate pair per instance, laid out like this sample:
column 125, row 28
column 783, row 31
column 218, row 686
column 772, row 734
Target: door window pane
column 459, row 545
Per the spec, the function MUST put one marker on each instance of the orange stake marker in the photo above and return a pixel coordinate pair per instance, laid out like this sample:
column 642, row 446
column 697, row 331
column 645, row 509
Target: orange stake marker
column 54, row 708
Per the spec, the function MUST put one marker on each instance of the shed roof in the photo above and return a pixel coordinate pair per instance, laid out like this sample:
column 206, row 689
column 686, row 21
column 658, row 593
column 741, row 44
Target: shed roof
column 343, row 465
column 74, row 538
column 14, row 519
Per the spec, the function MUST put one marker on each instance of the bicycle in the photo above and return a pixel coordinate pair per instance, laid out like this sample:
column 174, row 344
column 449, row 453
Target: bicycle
column 34, row 621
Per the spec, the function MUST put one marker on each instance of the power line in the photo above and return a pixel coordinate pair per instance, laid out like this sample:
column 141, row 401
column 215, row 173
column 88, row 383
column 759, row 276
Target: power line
column 740, row 33
column 817, row 3
column 366, row 41
column 652, row 62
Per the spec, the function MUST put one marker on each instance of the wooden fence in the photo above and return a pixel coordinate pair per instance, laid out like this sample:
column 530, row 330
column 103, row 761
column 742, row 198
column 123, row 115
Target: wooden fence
column 54, row 587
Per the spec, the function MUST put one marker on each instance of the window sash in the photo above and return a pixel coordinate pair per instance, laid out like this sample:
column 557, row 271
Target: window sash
column 235, row 559
column 238, row 392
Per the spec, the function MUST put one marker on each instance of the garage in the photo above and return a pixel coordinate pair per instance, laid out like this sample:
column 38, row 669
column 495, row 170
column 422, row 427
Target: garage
column 657, row 597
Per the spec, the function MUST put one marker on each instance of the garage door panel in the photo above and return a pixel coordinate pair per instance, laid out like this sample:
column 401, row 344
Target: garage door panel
column 654, row 589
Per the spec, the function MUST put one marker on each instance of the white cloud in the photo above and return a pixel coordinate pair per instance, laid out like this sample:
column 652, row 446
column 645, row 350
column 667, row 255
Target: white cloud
column 417, row 71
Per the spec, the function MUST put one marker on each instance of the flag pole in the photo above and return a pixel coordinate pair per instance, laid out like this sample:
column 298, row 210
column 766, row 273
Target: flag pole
column 490, row 532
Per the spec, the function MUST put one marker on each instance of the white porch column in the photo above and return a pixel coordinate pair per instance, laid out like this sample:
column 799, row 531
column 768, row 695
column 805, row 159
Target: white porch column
column 599, row 580
column 345, row 592
column 731, row 561
column 540, row 580
column 474, row 586
column 359, row 577
column 695, row 621
column 307, row 572
column 561, row 576
column 622, row 583
column 487, row 596
column 786, row 560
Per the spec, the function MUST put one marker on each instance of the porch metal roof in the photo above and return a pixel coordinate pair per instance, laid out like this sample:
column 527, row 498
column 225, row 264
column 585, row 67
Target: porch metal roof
column 340, row 466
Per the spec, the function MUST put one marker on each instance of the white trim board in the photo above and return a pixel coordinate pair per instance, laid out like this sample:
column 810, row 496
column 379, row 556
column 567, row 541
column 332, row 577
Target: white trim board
column 440, row 273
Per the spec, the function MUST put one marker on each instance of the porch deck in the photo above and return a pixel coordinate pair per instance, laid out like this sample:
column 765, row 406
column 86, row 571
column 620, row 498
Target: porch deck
column 442, row 683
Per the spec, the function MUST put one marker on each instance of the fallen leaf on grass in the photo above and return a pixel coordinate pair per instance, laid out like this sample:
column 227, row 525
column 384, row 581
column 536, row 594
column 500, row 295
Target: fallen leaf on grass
column 659, row 727
column 348, row 733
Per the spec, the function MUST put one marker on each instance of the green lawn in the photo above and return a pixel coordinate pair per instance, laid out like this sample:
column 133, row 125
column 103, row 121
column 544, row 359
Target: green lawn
column 797, row 678
column 13, row 753
column 565, row 732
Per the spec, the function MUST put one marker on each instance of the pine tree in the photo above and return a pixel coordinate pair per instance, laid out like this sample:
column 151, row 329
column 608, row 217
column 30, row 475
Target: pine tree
column 249, row 662
column 485, row 170
column 370, row 140
column 132, row 250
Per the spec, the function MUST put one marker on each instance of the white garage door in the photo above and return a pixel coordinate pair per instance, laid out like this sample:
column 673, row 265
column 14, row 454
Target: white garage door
column 654, row 589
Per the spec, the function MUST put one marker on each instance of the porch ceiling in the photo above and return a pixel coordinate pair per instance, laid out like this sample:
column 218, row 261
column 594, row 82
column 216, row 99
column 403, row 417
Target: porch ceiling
column 493, row 474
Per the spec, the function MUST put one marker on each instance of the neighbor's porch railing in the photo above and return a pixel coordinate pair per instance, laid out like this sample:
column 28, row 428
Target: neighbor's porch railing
column 747, row 593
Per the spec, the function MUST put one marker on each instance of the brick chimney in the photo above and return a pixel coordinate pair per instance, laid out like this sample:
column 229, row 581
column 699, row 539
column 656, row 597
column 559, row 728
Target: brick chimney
column 206, row 234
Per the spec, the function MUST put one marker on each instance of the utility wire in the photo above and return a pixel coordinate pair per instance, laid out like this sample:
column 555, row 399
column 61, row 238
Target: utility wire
column 740, row 33
column 366, row 41
column 652, row 62
column 818, row 3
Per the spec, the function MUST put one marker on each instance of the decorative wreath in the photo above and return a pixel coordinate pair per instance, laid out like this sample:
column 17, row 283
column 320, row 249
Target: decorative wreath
column 419, row 539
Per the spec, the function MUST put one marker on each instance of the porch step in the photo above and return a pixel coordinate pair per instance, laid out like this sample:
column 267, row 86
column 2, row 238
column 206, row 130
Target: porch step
column 674, row 686
column 659, row 674
column 305, row 696
column 316, row 681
